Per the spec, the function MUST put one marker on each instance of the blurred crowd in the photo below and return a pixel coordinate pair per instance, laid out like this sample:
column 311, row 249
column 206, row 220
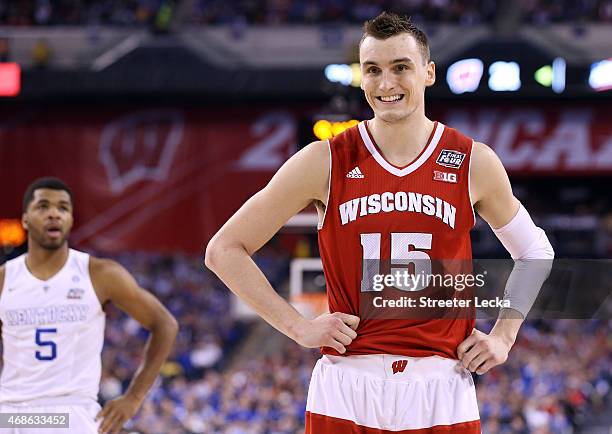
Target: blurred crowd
column 270, row 12
column 265, row 395
column 576, row 215
column 341, row 11
column 558, row 373
column 84, row 12
column 557, row 11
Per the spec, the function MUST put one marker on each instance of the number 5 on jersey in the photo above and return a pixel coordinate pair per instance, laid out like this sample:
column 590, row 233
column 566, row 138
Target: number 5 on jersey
column 43, row 341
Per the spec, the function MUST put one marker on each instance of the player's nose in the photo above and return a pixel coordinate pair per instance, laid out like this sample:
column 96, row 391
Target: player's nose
column 387, row 82
column 54, row 213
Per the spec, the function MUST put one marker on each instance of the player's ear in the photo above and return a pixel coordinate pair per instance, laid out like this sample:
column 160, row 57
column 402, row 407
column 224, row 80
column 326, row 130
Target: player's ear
column 24, row 221
column 430, row 77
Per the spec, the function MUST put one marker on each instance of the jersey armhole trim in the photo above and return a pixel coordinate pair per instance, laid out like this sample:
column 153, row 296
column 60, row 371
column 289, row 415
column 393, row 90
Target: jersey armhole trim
column 3, row 286
column 93, row 287
column 322, row 223
column 15, row 262
column 470, row 185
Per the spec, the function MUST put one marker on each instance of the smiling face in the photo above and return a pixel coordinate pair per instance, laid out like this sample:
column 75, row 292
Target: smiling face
column 48, row 218
column 394, row 76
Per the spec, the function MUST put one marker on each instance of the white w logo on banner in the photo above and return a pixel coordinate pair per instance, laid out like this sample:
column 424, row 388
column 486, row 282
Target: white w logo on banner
column 140, row 146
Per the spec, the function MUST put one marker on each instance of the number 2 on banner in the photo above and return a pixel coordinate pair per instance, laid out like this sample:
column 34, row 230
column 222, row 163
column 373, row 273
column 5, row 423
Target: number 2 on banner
column 400, row 255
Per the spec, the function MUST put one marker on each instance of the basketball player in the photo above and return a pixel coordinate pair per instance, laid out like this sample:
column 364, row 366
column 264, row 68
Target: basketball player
column 51, row 308
column 394, row 186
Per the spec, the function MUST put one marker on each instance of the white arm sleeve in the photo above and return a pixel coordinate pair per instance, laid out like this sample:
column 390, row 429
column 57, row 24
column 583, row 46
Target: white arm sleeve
column 523, row 239
column 532, row 254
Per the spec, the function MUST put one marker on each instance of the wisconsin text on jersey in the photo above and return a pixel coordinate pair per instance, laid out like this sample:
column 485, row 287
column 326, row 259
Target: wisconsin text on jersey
column 399, row 201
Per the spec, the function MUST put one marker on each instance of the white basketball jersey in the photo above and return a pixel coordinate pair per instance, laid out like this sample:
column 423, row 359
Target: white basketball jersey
column 52, row 333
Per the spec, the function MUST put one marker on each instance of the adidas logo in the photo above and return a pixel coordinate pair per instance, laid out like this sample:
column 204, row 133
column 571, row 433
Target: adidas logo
column 355, row 173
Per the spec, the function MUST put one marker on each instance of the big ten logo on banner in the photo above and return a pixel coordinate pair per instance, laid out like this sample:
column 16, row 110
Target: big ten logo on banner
column 140, row 146
column 541, row 140
column 275, row 141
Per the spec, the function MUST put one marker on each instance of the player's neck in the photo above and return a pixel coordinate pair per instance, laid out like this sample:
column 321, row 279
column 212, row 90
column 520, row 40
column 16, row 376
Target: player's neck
column 401, row 142
column 44, row 263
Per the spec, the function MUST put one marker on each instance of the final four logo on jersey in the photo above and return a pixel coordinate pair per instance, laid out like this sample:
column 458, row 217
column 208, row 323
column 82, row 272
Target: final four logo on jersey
column 450, row 158
column 75, row 294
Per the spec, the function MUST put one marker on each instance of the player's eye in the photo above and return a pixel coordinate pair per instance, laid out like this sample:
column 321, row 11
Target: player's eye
column 372, row 70
column 401, row 67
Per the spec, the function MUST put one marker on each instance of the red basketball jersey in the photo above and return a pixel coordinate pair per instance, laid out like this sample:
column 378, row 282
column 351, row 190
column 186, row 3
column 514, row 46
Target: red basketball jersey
column 378, row 210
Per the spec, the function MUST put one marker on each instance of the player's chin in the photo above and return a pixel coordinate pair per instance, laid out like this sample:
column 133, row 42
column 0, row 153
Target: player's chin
column 53, row 244
column 391, row 116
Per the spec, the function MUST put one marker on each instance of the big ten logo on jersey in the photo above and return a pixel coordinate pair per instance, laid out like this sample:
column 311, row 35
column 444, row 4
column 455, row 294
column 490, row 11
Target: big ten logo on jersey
column 450, row 158
column 445, row 177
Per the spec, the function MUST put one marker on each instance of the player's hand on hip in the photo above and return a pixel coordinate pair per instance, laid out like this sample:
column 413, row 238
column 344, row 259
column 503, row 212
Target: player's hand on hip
column 116, row 413
column 335, row 330
column 481, row 352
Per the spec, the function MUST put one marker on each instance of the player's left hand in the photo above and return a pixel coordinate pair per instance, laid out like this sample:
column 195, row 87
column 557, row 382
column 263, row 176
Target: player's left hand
column 117, row 412
column 480, row 351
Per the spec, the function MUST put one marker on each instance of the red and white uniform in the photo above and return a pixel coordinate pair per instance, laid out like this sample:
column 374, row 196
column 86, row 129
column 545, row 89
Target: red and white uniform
column 378, row 211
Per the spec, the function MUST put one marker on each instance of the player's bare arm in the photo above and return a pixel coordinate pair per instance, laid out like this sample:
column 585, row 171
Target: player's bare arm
column 494, row 201
column 490, row 187
column 114, row 283
column 302, row 180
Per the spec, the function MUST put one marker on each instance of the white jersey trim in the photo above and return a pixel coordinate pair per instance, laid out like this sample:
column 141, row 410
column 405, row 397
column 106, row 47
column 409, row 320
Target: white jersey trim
column 58, row 273
column 322, row 222
column 3, row 286
column 412, row 166
column 470, row 183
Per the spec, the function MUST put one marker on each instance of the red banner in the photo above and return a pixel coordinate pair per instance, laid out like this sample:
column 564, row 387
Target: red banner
column 166, row 179
column 162, row 179
column 534, row 140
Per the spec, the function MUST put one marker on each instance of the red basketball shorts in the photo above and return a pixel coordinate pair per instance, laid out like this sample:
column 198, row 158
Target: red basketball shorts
column 380, row 394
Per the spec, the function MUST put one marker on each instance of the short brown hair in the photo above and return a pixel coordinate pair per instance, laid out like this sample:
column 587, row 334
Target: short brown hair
column 47, row 182
column 387, row 25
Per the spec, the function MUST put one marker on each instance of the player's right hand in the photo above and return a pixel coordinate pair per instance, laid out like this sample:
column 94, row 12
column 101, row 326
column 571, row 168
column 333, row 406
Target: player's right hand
column 335, row 330
column 116, row 413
